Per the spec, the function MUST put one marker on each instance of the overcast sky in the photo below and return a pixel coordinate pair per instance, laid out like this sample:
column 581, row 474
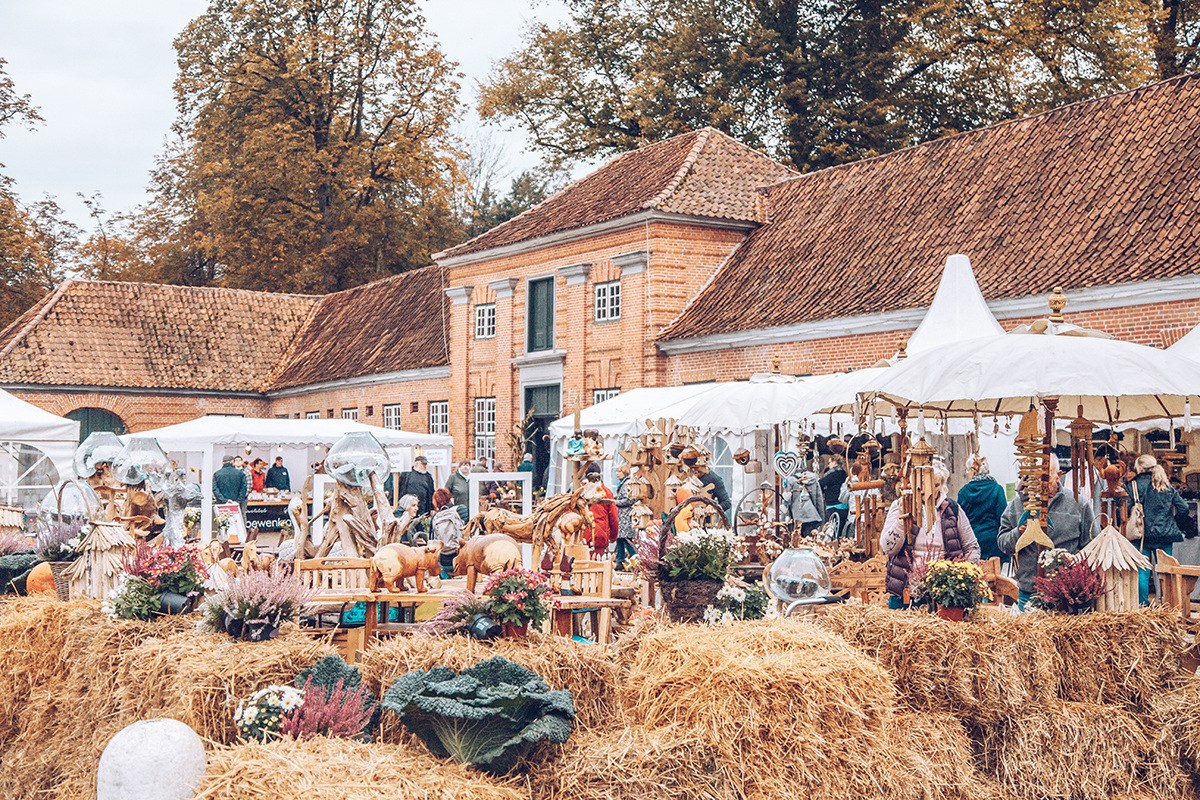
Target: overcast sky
column 100, row 72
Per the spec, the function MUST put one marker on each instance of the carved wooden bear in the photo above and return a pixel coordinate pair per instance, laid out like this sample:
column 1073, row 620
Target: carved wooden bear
column 395, row 562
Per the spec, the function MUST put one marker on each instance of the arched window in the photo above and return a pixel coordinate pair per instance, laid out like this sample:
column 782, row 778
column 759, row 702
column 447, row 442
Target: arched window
column 96, row 419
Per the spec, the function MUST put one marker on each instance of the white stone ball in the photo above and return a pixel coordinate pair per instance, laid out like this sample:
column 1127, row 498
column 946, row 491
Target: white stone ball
column 155, row 759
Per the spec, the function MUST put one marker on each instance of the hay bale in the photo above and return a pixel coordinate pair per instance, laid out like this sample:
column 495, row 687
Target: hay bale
column 1073, row 751
column 75, row 678
column 338, row 769
column 996, row 666
column 1173, row 726
column 586, row 670
column 634, row 764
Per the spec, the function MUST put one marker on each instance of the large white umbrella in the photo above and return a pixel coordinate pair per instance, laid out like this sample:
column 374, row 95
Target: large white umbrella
column 1114, row 381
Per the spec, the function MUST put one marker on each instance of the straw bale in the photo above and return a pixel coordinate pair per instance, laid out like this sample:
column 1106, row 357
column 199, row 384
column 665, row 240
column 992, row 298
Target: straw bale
column 1173, row 765
column 995, row 665
column 74, row 678
column 587, row 670
column 339, row 769
column 1073, row 751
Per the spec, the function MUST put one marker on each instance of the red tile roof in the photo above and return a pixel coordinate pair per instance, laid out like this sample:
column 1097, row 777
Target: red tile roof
column 145, row 335
column 387, row 326
column 1100, row 192
column 153, row 336
column 704, row 173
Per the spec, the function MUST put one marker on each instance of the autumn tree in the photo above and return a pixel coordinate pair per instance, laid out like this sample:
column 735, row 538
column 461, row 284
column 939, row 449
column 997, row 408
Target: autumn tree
column 314, row 150
column 815, row 82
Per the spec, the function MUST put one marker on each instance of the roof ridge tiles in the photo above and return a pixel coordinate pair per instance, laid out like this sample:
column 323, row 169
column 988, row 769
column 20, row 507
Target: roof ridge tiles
column 38, row 317
column 684, row 169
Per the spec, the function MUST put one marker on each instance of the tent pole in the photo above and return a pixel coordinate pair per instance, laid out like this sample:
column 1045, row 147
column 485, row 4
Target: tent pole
column 206, row 500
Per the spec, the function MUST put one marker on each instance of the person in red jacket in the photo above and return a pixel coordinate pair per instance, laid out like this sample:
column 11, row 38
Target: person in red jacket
column 605, row 514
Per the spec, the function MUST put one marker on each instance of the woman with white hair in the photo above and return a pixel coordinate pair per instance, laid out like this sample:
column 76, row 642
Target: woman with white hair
column 1160, row 503
column 983, row 500
column 951, row 537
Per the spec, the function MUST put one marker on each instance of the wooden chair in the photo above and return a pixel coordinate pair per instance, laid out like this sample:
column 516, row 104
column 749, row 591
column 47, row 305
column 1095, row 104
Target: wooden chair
column 593, row 579
column 339, row 583
column 1178, row 581
column 1005, row 591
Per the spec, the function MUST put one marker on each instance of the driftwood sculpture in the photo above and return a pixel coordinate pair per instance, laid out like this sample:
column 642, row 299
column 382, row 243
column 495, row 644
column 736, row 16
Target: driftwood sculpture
column 485, row 555
column 558, row 520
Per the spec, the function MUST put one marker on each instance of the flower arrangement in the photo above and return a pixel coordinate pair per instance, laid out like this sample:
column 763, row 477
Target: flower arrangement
column 191, row 518
column 133, row 598
column 1071, row 588
column 700, row 554
column 169, row 569
column 260, row 716
column 955, row 584
column 342, row 712
column 223, row 522
column 256, row 603
column 518, row 597
column 737, row 602
column 1052, row 560
column 59, row 541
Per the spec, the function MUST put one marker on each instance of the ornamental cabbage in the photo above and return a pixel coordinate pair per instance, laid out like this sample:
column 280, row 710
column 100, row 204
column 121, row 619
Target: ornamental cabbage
column 491, row 715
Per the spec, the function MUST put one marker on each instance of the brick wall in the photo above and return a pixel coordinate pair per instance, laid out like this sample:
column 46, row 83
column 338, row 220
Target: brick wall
column 369, row 401
column 1156, row 325
column 142, row 412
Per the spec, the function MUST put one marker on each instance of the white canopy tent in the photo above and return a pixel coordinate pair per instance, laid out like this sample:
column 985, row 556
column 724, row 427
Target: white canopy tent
column 36, row 449
column 212, row 434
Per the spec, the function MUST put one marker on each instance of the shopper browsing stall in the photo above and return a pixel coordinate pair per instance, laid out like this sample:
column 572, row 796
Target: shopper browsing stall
column 1161, row 504
column 951, row 537
column 447, row 529
column 984, row 501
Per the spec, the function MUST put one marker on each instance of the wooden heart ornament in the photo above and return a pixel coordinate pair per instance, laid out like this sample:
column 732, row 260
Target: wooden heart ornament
column 786, row 463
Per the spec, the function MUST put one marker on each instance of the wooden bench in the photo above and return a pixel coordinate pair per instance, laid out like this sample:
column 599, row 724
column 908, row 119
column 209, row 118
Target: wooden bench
column 1178, row 581
column 339, row 583
column 1005, row 591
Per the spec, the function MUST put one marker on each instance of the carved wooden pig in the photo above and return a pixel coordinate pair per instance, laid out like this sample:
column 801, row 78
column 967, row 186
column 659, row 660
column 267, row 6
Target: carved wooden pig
column 395, row 562
column 484, row 555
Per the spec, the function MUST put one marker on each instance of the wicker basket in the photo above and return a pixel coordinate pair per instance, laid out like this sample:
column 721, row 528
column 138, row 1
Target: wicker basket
column 61, row 584
column 685, row 601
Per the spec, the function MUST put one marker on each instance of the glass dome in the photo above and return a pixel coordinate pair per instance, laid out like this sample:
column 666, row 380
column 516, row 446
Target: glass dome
column 78, row 500
column 97, row 448
column 355, row 458
column 798, row 574
column 142, row 460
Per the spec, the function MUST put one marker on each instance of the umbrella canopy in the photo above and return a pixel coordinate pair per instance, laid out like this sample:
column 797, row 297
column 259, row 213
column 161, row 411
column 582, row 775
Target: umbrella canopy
column 199, row 433
column 626, row 414
column 1114, row 381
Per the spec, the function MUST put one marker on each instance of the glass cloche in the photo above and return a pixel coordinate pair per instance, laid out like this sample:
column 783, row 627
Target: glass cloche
column 797, row 575
column 355, row 457
column 142, row 460
column 99, row 447
column 79, row 501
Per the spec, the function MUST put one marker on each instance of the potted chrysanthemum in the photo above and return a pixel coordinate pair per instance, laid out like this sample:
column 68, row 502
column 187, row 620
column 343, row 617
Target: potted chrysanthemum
column 956, row 587
column 518, row 599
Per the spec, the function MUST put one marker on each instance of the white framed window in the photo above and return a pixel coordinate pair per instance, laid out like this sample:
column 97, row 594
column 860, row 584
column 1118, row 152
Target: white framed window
column 350, row 413
column 485, row 321
column 608, row 301
column 600, row 395
column 439, row 416
column 485, row 427
column 312, row 414
column 391, row 416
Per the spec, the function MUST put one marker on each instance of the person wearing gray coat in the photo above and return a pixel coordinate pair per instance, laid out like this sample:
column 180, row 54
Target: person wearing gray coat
column 806, row 501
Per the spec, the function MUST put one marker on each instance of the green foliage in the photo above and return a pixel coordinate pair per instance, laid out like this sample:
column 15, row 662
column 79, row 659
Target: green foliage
column 518, row 597
column 699, row 554
column 491, row 715
column 813, row 82
column 326, row 674
column 134, row 598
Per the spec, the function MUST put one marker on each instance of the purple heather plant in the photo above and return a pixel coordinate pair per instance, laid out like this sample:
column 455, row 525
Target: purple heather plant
column 342, row 713
column 54, row 540
column 272, row 596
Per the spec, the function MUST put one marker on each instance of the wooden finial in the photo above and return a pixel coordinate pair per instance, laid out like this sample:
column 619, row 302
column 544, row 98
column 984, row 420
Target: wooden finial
column 1058, row 302
column 903, row 346
column 776, row 364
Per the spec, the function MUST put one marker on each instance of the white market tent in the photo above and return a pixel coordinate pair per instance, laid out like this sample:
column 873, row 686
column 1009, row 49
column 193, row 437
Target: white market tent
column 36, row 449
column 208, row 435
column 737, row 409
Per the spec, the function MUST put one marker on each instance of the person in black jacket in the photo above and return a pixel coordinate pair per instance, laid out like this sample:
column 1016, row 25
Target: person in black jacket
column 419, row 483
column 278, row 477
column 831, row 482
column 1160, row 503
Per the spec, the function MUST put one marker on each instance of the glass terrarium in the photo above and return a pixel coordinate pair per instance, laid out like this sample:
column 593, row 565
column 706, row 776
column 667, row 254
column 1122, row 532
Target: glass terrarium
column 142, row 460
column 356, row 457
column 97, row 448
column 798, row 575
column 78, row 501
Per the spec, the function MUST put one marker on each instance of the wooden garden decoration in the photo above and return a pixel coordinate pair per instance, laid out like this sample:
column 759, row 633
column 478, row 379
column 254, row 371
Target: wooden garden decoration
column 99, row 567
column 1033, row 465
column 657, row 465
column 1115, row 557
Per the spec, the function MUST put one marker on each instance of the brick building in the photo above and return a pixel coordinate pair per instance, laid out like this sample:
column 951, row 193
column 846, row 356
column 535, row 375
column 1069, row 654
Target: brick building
column 691, row 259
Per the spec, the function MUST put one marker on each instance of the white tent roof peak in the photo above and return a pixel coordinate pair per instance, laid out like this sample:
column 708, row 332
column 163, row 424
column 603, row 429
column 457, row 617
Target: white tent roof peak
column 1188, row 346
column 958, row 310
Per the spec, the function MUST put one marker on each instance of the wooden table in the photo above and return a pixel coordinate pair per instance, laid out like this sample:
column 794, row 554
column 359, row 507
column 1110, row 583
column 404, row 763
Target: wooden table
column 450, row 589
column 566, row 606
